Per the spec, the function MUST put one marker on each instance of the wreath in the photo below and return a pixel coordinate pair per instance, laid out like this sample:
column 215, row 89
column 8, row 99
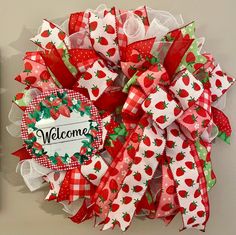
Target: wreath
column 120, row 110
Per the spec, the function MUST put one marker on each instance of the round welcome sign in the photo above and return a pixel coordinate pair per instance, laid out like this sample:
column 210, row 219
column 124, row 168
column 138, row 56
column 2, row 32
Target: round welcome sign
column 61, row 129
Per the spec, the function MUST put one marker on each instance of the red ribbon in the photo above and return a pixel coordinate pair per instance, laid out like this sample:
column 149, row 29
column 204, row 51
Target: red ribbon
column 55, row 63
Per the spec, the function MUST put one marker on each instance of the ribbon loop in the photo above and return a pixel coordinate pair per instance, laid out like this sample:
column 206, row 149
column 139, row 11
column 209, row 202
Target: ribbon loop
column 162, row 107
column 187, row 89
column 185, row 173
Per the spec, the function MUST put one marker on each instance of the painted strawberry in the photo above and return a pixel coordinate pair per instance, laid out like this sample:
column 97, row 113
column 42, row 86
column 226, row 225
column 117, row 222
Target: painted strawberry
column 137, row 188
column 185, row 79
column 190, row 165
column 97, row 166
column 191, row 220
column 49, row 45
column 131, row 151
column 55, row 115
column 115, row 207
column 201, row 111
column 177, row 110
column 191, row 101
column 97, row 209
column 91, row 176
column 18, row 78
column 158, row 142
column 143, row 122
column 190, row 119
column 135, row 137
column 148, row 80
column 103, row 41
column 111, row 52
column 183, row 93
column 161, row 105
column 180, row 156
column 192, row 206
column 185, row 144
column 100, row 74
column 167, row 207
column 28, row 67
column 19, row 96
column 137, row 176
column 126, row 217
column 171, row 190
column 93, row 26
column 52, row 26
column 109, row 82
column 214, row 97
column 86, row 76
column 113, row 186
column 146, row 141
column 52, row 197
column 148, row 170
column 189, row 182
column 61, row 35
column 230, row 79
column 147, row 102
column 190, row 58
column 175, row 132
column 109, row 29
column 196, row 86
column 161, row 119
column 219, row 73
column 131, row 71
column 164, row 78
column 125, row 188
column 148, row 153
column 183, row 193
column 83, row 150
column 92, row 41
column 137, row 160
column 180, row 171
column 95, row 91
column 30, row 80
column 126, row 200
column 218, row 83
column 46, row 33
column 197, row 193
column 64, row 111
column 200, row 213
column 45, row 76
column 170, row 144
column 197, row 66
column 104, row 195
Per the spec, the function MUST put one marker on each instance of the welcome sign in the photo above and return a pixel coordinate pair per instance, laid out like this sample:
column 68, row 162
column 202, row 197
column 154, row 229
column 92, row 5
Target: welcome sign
column 62, row 129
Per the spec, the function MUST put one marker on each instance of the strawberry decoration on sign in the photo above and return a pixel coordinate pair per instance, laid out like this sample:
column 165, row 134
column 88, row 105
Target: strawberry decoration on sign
column 127, row 128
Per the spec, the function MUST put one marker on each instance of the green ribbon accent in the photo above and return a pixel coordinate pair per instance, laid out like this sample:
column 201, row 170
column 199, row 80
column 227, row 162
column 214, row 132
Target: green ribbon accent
column 224, row 137
column 202, row 152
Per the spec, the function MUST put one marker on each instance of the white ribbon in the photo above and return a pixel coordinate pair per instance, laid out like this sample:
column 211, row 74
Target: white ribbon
column 32, row 173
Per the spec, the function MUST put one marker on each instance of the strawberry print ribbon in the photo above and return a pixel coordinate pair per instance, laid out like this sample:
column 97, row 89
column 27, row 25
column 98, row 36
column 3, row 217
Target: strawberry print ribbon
column 158, row 98
column 187, row 181
column 141, row 171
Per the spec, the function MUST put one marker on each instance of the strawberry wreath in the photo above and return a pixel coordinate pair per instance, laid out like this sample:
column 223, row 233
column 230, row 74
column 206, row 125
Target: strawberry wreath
column 118, row 115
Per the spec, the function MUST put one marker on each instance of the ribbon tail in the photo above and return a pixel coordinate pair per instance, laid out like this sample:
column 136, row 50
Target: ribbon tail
column 184, row 164
column 141, row 172
column 84, row 213
column 22, row 154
